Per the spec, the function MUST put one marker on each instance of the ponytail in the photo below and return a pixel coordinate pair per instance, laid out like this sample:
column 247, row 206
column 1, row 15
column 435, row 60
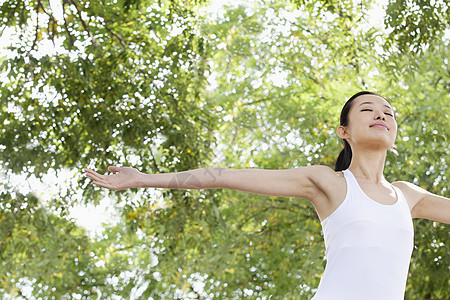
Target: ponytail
column 344, row 158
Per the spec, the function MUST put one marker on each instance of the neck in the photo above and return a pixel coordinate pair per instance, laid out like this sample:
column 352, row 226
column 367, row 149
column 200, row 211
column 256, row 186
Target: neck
column 368, row 164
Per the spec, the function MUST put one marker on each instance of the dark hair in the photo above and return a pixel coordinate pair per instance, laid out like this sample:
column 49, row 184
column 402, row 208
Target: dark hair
column 345, row 157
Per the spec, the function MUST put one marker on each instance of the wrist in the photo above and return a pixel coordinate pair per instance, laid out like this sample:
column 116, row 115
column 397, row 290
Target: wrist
column 140, row 180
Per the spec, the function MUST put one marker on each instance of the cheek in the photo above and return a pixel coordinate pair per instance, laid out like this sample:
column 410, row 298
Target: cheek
column 393, row 123
column 395, row 126
column 395, row 131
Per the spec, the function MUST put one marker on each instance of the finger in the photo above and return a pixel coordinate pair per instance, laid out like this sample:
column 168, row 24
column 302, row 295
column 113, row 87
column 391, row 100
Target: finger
column 114, row 169
column 95, row 176
column 91, row 172
column 103, row 179
column 103, row 184
column 100, row 184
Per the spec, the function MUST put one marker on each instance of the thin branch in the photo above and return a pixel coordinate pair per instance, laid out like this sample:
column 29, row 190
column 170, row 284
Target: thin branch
column 4, row 27
column 127, row 247
column 85, row 26
column 8, row 20
column 122, row 42
column 316, row 81
column 22, row 15
column 37, row 27
column 437, row 81
column 155, row 165
column 67, row 29
column 253, row 102
column 50, row 29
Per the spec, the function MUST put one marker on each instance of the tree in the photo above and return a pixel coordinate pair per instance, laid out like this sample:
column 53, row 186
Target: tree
column 129, row 85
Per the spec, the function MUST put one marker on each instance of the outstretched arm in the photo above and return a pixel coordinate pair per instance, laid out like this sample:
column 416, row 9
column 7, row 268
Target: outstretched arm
column 297, row 182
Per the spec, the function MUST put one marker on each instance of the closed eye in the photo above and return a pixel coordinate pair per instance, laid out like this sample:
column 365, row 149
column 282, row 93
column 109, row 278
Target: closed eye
column 386, row 113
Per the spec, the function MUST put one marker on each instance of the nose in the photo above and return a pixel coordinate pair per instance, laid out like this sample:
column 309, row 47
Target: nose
column 379, row 115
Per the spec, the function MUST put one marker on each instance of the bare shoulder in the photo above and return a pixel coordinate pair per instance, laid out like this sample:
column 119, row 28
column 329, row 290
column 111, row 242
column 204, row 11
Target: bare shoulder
column 327, row 185
column 325, row 176
column 321, row 176
column 412, row 192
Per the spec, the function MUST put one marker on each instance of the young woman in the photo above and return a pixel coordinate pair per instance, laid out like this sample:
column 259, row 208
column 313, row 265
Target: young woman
column 367, row 221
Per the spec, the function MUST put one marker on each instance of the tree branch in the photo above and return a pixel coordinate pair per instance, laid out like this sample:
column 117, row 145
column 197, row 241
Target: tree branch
column 155, row 165
column 121, row 40
column 67, row 29
column 37, row 26
column 85, row 26
column 51, row 22
column 8, row 20
column 22, row 15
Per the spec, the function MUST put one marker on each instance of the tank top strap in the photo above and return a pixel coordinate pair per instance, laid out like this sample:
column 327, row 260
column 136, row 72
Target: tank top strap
column 399, row 193
column 352, row 183
column 348, row 174
column 353, row 191
column 401, row 199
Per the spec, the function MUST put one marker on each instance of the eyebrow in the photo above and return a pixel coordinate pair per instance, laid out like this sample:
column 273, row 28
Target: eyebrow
column 368, row 102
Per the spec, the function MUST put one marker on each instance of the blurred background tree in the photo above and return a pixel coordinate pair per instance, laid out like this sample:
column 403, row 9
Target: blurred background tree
column 166, row 86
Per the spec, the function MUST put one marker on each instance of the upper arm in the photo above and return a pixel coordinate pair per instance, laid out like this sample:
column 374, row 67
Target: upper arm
column 296, row 182
column 426, row 205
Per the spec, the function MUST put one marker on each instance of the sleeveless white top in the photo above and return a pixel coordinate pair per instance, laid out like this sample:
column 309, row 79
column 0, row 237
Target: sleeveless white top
column 368, row 247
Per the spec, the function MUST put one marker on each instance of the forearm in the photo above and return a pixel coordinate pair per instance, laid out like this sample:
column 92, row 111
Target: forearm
column 203, row 178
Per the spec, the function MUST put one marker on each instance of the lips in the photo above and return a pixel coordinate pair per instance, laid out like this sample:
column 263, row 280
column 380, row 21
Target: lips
column 379, row 124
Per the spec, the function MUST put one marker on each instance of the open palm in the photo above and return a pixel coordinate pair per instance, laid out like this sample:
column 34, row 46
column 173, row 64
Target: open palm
column 125, row 177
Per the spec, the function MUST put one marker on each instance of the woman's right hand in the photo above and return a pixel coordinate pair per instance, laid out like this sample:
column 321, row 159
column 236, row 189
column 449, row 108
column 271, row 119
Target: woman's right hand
column 125, row 178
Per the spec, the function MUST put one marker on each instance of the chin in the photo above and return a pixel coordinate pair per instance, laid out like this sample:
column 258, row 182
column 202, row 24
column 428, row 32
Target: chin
column 381, row 144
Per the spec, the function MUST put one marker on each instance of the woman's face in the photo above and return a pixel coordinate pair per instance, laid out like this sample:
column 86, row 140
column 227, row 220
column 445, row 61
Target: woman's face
column 371, row 121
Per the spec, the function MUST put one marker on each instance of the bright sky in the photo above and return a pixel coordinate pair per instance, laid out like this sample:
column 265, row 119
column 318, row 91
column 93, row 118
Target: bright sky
column 92, row 217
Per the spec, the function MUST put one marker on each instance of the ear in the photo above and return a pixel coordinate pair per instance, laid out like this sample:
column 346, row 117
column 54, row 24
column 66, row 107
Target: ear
column 342, row 132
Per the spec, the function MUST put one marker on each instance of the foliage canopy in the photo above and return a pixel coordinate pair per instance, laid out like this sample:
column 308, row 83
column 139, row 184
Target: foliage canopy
column 165, row 87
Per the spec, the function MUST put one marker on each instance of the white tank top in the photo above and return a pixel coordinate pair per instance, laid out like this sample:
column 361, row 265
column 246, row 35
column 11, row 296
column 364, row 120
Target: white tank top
column 368, row 248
